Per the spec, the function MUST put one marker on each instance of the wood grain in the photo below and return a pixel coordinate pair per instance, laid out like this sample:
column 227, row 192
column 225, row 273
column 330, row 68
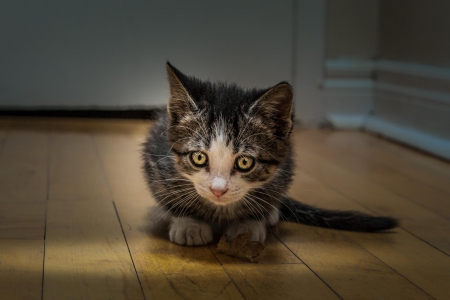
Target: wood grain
column 414, row 218
column 86, row 254
column 75, row 172
column 399, row 251
column 280, row 281
column 103, row 240
column 345, row 266
column 21, row 269
column 410, row 188
column 166, row 270
column 4, row 126
column 23, row 184
column 413, row 164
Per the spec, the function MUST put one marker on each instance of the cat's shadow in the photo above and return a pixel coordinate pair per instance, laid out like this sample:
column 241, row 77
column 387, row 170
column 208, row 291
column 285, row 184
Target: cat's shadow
column 156, row 224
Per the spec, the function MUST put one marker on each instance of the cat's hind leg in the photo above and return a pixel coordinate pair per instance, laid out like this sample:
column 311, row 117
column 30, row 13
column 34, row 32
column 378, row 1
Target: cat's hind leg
column 190, row 232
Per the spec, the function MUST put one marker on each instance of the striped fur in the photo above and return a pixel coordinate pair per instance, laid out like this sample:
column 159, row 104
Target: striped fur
column 225, row 123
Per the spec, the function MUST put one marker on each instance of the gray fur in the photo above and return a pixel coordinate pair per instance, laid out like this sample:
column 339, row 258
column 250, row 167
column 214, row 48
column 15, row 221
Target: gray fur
column 256, row 121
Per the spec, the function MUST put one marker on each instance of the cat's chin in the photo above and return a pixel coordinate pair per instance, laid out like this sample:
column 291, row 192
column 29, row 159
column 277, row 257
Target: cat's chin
column 220, row 200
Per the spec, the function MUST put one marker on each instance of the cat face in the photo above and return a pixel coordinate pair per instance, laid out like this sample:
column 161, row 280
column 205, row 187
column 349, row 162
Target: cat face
column 227, row 140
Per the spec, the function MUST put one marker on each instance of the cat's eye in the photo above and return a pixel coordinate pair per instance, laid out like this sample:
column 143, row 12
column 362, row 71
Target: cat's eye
column 199, row 159
column 244, row 163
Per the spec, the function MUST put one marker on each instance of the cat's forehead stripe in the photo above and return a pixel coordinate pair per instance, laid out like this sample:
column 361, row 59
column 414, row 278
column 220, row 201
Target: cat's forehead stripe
column 221, row 156
column 220, row 131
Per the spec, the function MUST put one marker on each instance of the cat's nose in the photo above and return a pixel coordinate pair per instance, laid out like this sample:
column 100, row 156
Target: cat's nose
column 219, row 192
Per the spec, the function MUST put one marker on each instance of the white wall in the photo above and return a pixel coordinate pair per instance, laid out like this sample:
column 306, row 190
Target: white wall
column 112, row 53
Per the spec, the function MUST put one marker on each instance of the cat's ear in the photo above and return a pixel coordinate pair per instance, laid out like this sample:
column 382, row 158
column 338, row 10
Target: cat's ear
column 276, row 106
column 180, row 102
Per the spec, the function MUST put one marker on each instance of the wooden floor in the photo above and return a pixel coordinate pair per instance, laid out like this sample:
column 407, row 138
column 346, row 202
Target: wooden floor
column 75, row 222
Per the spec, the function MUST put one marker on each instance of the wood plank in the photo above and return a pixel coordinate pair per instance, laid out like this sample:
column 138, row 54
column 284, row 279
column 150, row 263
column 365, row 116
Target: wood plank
column 75, row 172
column 278, row 267
column 421, row 222
column 283, row 281
column 345, row 266
column 21, row 269
column 166, row 270
column 4, row 126
column 86, row 256
column 22, row 219
column 422, row 167
column 412, row 189
column 23, row 184
column 86, row 253
column 418, row 262
column 404, row 253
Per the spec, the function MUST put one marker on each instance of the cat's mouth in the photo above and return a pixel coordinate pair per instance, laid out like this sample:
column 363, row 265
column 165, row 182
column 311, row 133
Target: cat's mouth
column 218, row 198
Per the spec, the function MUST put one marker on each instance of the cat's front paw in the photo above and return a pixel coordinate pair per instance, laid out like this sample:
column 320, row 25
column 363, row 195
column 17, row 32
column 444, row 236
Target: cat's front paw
column 257, row 228
column 190, row 232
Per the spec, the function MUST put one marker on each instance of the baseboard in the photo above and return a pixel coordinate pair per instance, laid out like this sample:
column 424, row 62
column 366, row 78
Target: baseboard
column 421, row 140
column 346, row 121
column 142, row 114
column 348, row 92
column 406, row 102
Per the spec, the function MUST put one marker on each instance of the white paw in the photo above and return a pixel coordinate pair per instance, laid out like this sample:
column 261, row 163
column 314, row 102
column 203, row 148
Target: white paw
column 190, row 232
column 257, row 228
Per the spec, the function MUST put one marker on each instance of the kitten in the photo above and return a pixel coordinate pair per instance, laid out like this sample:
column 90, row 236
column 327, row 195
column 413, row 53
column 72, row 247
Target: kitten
column 221, row 156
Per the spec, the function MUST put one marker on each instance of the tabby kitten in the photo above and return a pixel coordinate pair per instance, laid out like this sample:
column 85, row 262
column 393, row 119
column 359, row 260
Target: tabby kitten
column 221, row 156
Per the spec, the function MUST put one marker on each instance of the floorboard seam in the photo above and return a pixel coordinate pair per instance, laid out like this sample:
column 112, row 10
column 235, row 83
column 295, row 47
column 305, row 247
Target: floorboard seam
column 117, row 213
column 49, row 154
column 128, row 248
column 336, row 293
column 394, row 270
column 376, row 183
column 221, row 265
column 352, row 199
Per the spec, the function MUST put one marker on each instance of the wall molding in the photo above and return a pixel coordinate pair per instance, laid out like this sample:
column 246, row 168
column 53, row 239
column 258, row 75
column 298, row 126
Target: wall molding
column 348, row 91
column 418, row 139
column 405, row 101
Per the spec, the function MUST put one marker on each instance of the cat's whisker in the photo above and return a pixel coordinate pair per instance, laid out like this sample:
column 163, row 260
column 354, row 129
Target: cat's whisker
column 169, row 193
column 261, row 190
column 281, row 201
column 185, row 200
column 172, row 179
column 167, row 202
column 250, row 208
column 163, row 157
column 261, row 212
column 261, row 206
column 169, row 208
column 192, row 200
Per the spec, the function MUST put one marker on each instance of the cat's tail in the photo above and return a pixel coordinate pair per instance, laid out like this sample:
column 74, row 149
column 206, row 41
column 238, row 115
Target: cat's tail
column 294, row 211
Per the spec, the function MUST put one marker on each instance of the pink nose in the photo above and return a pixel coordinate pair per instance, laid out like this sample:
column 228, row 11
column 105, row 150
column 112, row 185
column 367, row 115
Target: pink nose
column 218, row 192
